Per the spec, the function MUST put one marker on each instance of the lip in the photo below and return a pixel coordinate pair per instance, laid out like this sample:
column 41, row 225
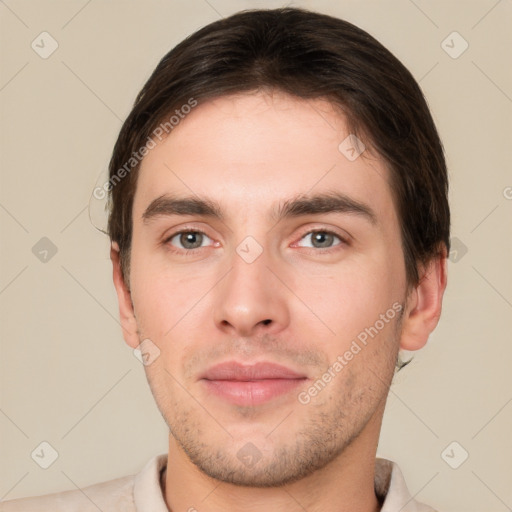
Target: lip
column 232, row 370
column 250, row 385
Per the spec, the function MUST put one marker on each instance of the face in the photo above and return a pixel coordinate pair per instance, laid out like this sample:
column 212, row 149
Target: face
column 314, row 286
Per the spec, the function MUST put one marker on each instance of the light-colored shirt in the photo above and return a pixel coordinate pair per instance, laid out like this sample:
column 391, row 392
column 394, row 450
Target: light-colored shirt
column 143, row 493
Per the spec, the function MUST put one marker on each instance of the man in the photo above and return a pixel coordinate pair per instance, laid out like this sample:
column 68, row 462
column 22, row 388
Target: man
column 280, row 226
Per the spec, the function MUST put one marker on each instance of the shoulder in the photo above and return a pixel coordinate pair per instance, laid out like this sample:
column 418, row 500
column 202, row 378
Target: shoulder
column 392, row 491
column 108, row 496
column 133, row 493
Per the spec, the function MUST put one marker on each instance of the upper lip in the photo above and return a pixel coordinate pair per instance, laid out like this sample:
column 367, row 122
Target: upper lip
column 232, row 370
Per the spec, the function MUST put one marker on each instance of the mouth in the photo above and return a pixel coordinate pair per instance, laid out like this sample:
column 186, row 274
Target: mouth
column 250, row 385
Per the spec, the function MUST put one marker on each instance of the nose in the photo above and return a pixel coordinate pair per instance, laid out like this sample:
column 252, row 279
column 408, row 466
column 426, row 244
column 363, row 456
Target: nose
column 251, row 300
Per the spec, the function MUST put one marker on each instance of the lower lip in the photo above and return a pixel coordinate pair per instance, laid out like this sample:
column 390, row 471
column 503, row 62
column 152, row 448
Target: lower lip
column 252, row 392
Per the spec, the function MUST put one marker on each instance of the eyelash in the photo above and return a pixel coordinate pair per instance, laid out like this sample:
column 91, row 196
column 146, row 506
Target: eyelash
column 192, row 251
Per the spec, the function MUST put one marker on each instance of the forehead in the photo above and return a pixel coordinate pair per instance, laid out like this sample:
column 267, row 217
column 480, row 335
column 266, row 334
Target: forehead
column 250, row 151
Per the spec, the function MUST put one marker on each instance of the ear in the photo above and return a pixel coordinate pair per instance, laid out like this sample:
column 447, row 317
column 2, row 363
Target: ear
column 424, row 304
column 126, row 313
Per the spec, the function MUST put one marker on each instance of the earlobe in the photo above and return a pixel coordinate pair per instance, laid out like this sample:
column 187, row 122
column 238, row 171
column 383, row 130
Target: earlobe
column 424, row 305
column 126, row 312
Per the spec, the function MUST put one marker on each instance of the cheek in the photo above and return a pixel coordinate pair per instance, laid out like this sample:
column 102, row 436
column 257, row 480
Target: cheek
column 159, row 308
column 171, row 310
column 356, row 304
column 351, row 294
column 157, row 294
column 154, row 300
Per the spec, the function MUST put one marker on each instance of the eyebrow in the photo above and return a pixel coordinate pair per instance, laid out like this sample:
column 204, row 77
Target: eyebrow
column 302, row 205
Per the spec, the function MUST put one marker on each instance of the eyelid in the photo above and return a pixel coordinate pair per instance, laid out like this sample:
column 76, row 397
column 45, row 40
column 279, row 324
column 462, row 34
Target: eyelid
column 344, row 239
column 335, row 231
column 185, row 229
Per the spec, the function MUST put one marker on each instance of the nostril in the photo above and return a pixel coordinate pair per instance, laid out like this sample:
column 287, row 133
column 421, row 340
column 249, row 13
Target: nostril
column 266, row 322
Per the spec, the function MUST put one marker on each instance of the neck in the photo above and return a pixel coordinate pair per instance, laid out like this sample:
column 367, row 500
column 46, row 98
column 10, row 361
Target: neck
column 344, row 485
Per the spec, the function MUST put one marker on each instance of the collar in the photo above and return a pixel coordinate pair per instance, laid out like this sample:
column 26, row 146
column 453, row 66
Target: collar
column 390, row 487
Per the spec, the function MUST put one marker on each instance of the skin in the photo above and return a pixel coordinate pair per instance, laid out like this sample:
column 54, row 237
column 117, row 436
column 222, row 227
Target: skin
column 246, row 152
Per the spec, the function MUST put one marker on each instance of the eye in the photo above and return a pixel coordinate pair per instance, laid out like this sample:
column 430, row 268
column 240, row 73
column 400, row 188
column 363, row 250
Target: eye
column 323, row 239
column 189, row 239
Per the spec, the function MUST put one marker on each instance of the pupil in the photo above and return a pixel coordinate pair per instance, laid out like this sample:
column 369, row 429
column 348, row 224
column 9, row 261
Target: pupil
column 187, row 238
column 319, row 236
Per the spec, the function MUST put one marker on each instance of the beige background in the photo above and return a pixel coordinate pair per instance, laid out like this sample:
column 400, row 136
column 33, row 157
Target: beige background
column 66, row 375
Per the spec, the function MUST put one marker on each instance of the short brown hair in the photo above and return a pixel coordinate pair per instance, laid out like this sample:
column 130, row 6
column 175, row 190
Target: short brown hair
column 307, row 55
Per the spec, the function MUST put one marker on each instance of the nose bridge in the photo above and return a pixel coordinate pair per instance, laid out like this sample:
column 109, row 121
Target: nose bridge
column 249, row 275
column 250, row 253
